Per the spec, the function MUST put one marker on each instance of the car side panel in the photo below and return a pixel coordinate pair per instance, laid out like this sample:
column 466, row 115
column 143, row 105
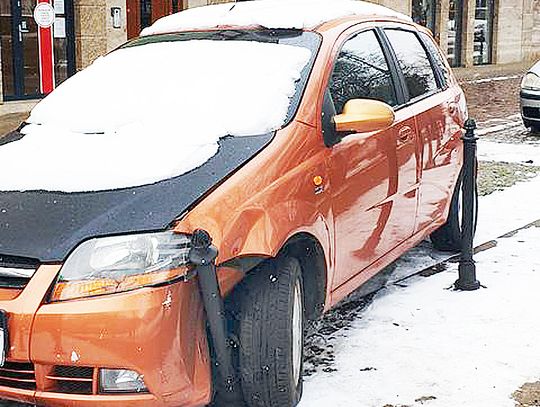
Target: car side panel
column 270, row 199
column 438, row 120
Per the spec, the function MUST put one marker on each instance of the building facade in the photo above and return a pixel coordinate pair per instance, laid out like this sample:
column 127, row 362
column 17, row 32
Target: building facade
column 42, row 42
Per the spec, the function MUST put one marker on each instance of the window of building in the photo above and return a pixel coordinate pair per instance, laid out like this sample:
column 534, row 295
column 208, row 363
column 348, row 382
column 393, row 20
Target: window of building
column 143, row 13
column 361, row 72
column 413, row 61
column 483, row 31
column 424, row 13
column 455, row 32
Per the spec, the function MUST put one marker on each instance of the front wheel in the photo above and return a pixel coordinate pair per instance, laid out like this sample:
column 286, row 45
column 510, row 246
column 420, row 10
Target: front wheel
column 270, row 329
column 534, row 126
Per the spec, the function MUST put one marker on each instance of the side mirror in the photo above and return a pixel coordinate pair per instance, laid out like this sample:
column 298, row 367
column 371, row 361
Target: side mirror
column 363, row 116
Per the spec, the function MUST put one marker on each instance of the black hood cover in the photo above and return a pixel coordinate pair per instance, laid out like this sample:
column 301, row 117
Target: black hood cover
column 47, row 225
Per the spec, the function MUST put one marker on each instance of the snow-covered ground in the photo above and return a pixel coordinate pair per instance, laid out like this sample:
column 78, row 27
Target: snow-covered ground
column 425, row 344
column 418, row 342
column 511, row 153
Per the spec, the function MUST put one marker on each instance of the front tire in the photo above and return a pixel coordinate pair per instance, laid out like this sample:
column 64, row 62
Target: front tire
column 534, row 126
column 271, row 334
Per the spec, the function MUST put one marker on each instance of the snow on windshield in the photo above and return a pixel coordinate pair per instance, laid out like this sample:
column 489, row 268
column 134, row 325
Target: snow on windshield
column 149, row 113
column 268, row 13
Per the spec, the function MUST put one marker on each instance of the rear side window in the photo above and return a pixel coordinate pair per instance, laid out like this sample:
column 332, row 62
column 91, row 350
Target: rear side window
column 413, row 61
column 361, row 72
column 437, row 59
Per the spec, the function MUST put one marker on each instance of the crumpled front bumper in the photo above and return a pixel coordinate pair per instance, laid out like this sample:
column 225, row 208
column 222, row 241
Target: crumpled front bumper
column 57, row 349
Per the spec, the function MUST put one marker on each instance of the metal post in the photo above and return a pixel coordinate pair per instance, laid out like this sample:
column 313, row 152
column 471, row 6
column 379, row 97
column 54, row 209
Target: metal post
column 467, row 268
column 203, row 256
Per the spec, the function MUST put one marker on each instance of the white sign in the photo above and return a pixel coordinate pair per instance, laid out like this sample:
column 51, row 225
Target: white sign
column 44, row 15
column 60, row 27
column 59, row 6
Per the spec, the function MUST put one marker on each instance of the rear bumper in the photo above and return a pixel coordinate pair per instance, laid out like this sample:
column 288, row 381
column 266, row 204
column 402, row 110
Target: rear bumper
column 157, row 332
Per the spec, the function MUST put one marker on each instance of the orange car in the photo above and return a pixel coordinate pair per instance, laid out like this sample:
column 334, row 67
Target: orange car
column 197, row 287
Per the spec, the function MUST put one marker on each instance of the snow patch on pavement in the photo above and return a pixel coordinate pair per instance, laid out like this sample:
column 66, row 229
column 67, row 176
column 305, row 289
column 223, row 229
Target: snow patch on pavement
column 510, row 153
column 494, row 79
column 482, row 131
column 297, row 14
column 498, row 214
column 425, row 341
column 507, row 210
column 105, row 128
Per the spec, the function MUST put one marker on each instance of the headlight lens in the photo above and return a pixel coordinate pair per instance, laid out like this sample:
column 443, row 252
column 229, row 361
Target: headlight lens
column 122, row 263
column 531, row 81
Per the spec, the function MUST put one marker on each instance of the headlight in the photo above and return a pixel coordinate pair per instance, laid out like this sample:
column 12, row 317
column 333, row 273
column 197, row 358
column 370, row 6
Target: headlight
column 531, row 81
column 122, row 263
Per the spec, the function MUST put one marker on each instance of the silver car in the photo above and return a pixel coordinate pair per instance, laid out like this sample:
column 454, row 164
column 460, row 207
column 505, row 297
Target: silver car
column 530, row 98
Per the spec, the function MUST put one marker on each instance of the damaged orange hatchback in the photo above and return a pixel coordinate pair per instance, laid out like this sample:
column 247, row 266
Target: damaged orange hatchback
column 164, row 242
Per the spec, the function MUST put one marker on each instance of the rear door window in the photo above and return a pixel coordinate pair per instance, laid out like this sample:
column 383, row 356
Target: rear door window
column 361, row 72
column 413, row 61
column 437, row 59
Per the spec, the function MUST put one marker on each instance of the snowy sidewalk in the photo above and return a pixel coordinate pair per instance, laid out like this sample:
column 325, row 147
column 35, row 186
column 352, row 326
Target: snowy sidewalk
column 425, row 344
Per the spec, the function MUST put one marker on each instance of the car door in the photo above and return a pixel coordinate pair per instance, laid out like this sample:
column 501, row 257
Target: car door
column 434, row 109
column 371, row 174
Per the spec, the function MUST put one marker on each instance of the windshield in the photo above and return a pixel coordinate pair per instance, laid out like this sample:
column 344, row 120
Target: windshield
column 308, row 40
column 114, row 124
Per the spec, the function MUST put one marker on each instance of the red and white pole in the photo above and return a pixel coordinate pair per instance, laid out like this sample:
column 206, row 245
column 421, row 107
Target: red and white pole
column 44, row 16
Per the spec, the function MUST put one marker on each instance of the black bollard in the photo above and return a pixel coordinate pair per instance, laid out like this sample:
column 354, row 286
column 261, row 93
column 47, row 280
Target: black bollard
column 203, row 255
column 467, row 268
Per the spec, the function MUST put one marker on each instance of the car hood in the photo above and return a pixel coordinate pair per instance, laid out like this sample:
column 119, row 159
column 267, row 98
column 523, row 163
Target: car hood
column 47, row 226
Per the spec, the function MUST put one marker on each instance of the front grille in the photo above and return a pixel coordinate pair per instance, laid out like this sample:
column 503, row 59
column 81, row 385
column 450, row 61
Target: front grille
column 16, row 272
column 531, row 112
column 72, row 379
column 18, row 375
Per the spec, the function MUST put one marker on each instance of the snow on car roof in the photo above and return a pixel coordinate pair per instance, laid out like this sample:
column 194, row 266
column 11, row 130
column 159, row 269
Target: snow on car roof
column 148, row 113
column 298, row 14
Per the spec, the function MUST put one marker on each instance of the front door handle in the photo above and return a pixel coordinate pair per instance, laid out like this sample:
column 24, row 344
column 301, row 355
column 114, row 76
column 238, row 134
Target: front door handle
column 405, row 134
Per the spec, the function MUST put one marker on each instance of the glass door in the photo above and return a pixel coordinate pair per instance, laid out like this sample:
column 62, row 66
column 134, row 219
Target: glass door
column 27, row 33
column 19, row 36
column 483, row 31
column 6, row 45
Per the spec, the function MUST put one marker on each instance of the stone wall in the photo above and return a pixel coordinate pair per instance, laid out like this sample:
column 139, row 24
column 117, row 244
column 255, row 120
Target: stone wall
column 94, row 34
column 1, row 87
column 402, row 6
column 531, row 30
column 509, row 29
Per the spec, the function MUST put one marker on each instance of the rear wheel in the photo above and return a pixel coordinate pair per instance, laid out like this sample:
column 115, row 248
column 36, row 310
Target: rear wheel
column 448, row 237
column 270, row 329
